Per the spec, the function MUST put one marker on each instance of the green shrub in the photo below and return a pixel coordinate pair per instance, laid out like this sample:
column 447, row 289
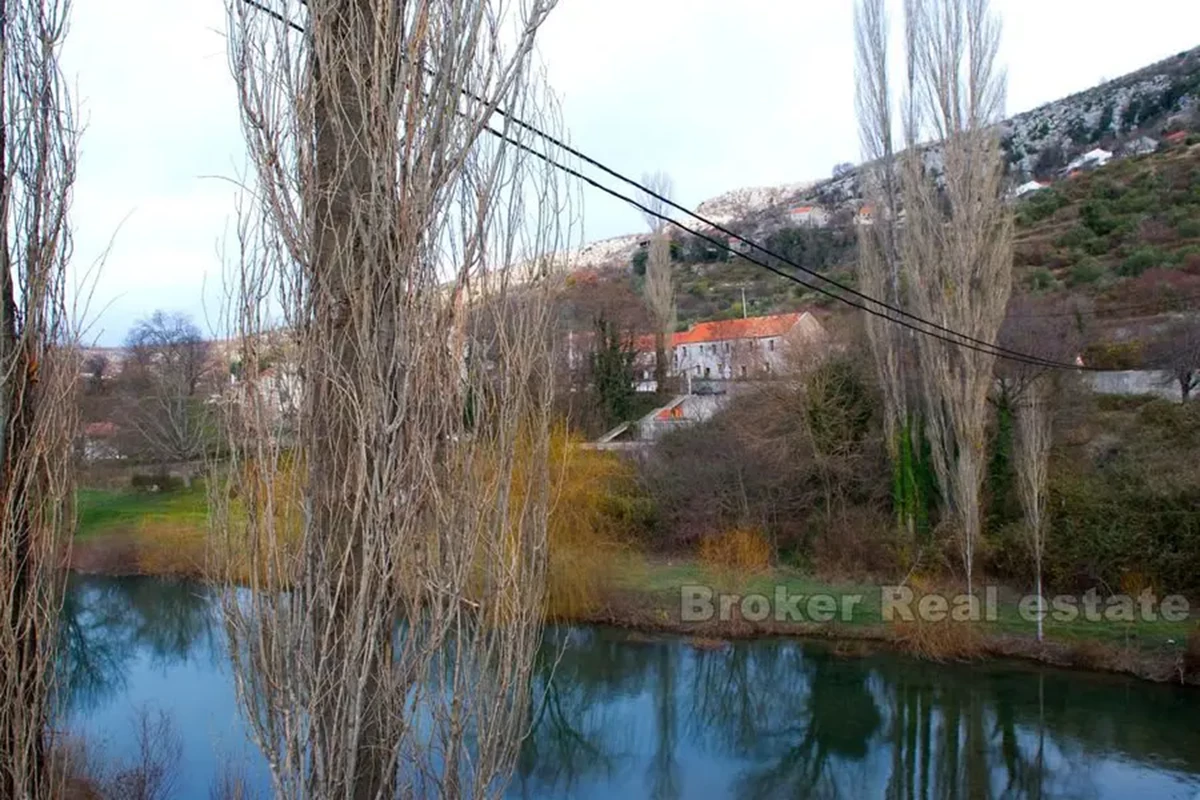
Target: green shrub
column 1087, row 271
column 1041, row 279
column 1042, row 205
column 1098, row 216
column 1078, row 236
column 1139, row 261
column 1189, row 228
column 1100, row 245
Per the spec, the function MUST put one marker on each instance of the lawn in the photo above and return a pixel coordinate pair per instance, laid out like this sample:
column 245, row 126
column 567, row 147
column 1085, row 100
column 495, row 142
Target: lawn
column 663, row 581
column 103, row 511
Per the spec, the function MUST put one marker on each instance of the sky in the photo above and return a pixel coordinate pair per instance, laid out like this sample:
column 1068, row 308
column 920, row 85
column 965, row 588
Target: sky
column 720, row 95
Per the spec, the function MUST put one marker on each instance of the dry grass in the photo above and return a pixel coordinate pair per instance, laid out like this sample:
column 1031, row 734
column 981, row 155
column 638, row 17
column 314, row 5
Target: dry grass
column 945, row 640
column 736, row 555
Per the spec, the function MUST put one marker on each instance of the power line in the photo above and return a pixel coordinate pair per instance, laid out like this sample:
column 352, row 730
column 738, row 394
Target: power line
column 940, row 332
column 1009, row 355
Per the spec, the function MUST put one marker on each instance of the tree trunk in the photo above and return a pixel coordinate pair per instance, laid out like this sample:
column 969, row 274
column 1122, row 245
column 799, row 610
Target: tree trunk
column 660, row 361
column 343, row 177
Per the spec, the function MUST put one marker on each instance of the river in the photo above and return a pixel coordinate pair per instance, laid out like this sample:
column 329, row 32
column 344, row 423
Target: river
column 632, row 716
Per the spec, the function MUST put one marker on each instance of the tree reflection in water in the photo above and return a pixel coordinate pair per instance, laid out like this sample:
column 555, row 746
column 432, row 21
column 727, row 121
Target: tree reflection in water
column 613, row 713
column 803, row 722
column 107, row 622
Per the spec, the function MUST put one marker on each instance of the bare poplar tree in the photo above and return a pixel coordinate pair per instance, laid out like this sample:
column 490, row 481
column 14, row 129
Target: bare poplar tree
column 1044, row 329
column 397, row 547
column 880, row 263
column 1032, row 461
column 957, row 236
column 38, row 374
column 941, row 244
column 660, row 287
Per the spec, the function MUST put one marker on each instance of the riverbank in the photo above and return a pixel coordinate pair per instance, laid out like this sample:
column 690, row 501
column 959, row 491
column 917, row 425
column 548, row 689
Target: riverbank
column 165, row 535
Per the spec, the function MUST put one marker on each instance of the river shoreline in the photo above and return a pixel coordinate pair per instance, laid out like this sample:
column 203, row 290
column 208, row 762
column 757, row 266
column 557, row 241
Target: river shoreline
column 659, row 612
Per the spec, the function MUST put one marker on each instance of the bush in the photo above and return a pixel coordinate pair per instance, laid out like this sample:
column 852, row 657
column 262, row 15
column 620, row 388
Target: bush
column 1041, row 280
column 1042, row 205
column 1139, row 261
column 1086, row 272
column 1189, row 229
column 1078, row 236
column 736, row 554
column 1114, row 355
column 1098, row 216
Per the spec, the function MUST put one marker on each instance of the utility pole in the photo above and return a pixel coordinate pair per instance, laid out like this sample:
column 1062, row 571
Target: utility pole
column 743, row 302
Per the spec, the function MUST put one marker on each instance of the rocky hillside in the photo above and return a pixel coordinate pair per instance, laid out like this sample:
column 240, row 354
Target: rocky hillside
column 1125, row 116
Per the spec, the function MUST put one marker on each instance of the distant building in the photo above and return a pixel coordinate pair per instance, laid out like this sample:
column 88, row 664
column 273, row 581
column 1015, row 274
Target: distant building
column 737, row 349
column 1029, row 188
column 99, row 441
column 809, row 216
column 1178, row 137
column 1093, row 159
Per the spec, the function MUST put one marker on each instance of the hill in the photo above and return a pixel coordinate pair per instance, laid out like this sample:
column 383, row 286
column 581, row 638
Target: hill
column 1127, row 234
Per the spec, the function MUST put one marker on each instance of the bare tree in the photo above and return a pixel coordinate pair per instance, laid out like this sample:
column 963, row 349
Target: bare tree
column 958, row 237
column 1177, row 351
column 39, row 373
column 1032, row 451
column 397, row 549
column 165, row 382
column 660, row 287
column 880, row 264
column 1053, row 331
column 955, row 243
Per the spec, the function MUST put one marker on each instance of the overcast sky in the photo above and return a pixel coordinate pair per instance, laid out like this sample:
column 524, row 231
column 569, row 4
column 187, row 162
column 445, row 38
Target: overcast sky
column 719, row 94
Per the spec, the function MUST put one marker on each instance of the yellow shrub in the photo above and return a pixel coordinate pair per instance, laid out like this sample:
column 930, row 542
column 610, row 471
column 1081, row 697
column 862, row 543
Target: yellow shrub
column 736, row 554
column 586, row 538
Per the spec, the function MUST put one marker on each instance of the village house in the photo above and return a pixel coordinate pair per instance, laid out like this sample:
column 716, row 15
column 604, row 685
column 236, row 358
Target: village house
column 1093, row 159
column 732, row 349
column 809, row 216
column 1028, row 188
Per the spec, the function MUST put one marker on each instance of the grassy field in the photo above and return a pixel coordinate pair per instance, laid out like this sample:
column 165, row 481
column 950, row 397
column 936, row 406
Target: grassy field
column 167, row 532
column 103, row 511
column 663, row 581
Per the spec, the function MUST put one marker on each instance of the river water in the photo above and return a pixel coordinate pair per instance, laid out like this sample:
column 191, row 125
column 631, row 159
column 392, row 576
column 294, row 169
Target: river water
column 630, row 716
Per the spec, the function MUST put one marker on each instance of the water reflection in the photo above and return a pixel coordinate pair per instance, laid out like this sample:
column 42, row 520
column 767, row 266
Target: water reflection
column 108, row 622
column 619, row 715
column 790, row 720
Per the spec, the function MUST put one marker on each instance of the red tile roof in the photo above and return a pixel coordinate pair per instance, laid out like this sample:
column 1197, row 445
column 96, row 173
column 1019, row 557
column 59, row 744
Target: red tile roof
column 802, row 209
column 752, row 328
column 1176, row 137
column 100, row 430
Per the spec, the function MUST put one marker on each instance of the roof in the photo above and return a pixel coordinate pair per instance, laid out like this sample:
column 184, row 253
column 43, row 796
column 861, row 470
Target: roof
column 1177, row 136
column 802, row 210
column 100, row 430
column 751, row 328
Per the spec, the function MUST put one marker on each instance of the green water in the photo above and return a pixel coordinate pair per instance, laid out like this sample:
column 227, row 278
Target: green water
column 636, row 717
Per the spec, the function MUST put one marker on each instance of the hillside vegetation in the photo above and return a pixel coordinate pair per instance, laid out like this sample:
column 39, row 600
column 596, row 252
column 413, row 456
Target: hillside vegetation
column 1135, row 218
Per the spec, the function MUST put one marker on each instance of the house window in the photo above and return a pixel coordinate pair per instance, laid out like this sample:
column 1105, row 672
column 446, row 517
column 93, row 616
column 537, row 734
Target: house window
column 727, row 347
column 707, row 372
column 645, row 374
column 767, row 366
column 697, row 369
column 743, row 370
column 685, row 350
column 771, row 345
